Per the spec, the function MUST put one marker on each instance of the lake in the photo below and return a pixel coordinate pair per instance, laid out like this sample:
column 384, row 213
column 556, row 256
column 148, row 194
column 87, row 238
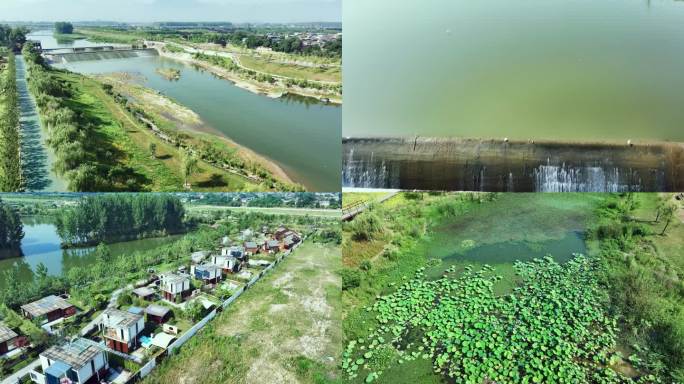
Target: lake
column 41, row 244
column 301, row 135
column 533, row 69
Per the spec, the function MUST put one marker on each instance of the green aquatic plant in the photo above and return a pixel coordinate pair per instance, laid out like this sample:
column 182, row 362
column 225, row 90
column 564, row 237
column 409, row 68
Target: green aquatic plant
column 552, row 328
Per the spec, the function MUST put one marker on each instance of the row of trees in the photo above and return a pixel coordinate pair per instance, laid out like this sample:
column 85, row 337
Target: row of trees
column 12, row 38
column 10, row 139
column 64, row 28
column 11, row 231
column 86, row 160
column 117, row 217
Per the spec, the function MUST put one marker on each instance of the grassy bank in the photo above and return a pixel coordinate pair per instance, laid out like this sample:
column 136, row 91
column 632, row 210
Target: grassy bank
column 283, row 330
column 644, row 275
column 269, row 64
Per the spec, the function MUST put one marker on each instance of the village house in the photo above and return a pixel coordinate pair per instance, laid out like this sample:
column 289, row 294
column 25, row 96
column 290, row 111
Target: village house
column 121, row 329
column 251, row 247
column 228, row 264
column 7, row 339
column 76, row 362
column 279, row 234
column 272, row 246
column 173, row 285
column 157, row 314
column 50, row 307
column 199, row 256
column 208, row 273
column 144, row 293
column 235, row 251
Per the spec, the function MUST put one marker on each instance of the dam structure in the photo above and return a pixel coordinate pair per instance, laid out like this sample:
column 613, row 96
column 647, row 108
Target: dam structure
column 64, row 57
column 511, row 166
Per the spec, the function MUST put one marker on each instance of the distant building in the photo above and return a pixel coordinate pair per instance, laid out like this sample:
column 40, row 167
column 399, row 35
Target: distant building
column 279, row 234
column 7, row 339
column 121, row 329
column 145, row 293
column 157, row 313
column 76, row 362
column 251, row 247
column 173, row 285
column 50, row 307
column 199, row 256
column 208, row 273
column 228, row 264
column 236, row 252
column 272, row 246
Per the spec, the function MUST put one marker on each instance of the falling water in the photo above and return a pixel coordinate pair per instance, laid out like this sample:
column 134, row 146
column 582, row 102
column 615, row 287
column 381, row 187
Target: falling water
column 562, row 178
column 104, row 55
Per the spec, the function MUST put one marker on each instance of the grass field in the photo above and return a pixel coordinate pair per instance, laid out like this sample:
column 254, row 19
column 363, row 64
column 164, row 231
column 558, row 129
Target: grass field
column 265, row 64
column 283, row 330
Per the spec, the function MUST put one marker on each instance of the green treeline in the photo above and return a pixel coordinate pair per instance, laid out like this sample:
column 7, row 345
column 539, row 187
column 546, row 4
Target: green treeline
column 84, row 159
column 11, row 230
column 119, row 217
column 10, row 139
column 12, row 38
column 64, row 28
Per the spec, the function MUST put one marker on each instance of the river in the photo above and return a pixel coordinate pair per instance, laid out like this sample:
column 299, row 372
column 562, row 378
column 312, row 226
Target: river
column 41, row 244
column 302, row 136
column 534, row 69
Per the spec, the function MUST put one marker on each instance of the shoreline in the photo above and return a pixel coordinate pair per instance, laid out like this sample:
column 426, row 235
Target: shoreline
column 198, row 127
column 241, row 83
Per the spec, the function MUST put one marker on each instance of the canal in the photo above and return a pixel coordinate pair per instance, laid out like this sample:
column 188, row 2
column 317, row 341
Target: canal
column 300, row 135
column 41, row 244
column 581, row 70
column 37, row 159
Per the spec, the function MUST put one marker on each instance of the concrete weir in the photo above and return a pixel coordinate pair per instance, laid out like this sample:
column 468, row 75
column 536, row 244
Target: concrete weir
column 511, row 166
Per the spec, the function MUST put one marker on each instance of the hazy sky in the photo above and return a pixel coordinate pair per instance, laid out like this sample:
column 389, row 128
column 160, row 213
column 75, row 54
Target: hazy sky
column 172, row 10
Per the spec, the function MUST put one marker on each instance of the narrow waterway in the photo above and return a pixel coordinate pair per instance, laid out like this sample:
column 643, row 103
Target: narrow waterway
column 42, row 244
column 37, row 159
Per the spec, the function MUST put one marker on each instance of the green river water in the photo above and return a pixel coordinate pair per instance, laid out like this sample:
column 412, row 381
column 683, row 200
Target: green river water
column 541, row 69
column 41, row 244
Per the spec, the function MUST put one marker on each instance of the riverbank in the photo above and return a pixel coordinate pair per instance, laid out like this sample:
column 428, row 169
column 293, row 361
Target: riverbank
column 262, row 88
column 174, row 118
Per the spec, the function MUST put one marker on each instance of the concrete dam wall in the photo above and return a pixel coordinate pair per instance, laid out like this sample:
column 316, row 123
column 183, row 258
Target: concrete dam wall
column 515, row 166
column 65, row 58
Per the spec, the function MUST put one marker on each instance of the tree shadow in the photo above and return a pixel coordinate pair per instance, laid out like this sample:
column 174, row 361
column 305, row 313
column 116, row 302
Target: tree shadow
column 215, row 180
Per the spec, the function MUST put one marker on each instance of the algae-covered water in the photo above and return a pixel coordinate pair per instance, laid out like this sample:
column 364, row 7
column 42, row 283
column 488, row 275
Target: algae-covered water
column 533, row 69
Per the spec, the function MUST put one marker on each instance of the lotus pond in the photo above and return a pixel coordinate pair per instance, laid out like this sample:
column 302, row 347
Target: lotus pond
column 550, row 328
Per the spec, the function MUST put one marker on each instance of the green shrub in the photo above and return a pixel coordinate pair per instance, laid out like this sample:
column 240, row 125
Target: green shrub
column 350, row 278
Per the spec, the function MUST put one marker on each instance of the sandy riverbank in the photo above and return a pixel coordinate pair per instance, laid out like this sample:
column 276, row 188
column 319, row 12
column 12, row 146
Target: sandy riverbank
column 258, row 88
column 188, row 120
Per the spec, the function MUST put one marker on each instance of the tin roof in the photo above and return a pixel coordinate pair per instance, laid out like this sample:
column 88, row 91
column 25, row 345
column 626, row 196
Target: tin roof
column 6, row 333
column 116, row 318
column 143, row 292
column 46, row 305
column 157, row 310
column 75, row 354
